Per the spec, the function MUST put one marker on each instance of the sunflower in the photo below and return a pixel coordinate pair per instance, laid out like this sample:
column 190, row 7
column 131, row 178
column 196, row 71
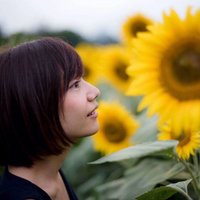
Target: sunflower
column 117, row 125
column 116, row 59
column 189, row 140
column 90, row 56
column 167, row 70
column 133, row 25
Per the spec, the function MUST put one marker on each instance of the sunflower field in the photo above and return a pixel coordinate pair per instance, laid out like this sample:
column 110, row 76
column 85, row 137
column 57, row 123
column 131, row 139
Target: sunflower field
column 147, row 146
column 148, row 143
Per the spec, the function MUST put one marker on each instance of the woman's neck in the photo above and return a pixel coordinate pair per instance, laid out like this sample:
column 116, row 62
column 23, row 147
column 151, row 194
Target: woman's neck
column 44, row 174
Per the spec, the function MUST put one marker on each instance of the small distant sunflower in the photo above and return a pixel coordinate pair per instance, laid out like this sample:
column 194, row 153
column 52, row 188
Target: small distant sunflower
column 133, row 25
column 115, row 62
column 167, row 70
column 90, row 57
column 117, row 126
column 189, row 140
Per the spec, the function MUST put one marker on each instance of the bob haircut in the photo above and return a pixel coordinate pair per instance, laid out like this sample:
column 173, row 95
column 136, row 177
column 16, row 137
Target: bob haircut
column 34, row 76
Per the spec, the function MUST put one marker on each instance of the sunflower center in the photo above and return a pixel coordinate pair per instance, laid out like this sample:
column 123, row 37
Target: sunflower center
column 138, row 27
column 186, row 67
column 114, row 132
column 183, row 139
column 120, row 70
column 180, row 69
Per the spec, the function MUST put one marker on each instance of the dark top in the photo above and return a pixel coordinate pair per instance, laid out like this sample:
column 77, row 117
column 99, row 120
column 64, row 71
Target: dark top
column 15, row 188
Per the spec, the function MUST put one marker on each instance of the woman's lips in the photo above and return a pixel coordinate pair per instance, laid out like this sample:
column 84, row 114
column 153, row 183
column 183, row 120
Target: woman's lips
column 93, row 114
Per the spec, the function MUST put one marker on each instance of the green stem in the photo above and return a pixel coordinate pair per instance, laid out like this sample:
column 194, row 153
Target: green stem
column 194, row 182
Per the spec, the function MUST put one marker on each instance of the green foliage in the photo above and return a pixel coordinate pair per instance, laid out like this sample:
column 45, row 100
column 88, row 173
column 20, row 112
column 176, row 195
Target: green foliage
column 18, row 38
column 143, row 177
column 147, row 130
column 68, row 36
column 71, row 37
column 146, row 173
column 141, row 150
column 3, row 40
column 167, row 191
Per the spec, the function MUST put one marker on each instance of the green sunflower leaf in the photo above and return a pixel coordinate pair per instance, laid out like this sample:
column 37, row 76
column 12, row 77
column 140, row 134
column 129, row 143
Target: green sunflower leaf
column 146, row 175
column 165, row 192
column 143, row 177
column 109, row 190
column 140, row 150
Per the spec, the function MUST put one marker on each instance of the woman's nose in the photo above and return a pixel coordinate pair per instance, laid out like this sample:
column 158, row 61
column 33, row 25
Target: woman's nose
column 93, row 93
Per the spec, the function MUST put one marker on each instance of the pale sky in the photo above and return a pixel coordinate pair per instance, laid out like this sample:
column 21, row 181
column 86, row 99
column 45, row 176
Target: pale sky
column 89, row 18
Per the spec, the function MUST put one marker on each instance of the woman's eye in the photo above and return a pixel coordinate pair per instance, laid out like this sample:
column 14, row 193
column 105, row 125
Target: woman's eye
column 75, row 84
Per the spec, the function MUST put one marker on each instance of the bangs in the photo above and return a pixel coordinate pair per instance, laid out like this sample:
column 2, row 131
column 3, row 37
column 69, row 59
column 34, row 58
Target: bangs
column 65, row 56
column 71, row 66
column 75, row 69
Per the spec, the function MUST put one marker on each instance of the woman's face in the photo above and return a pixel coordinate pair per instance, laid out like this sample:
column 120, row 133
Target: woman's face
column 79, row 118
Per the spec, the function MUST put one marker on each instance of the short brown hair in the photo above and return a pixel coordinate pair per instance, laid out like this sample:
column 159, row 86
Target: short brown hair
column 34, row 76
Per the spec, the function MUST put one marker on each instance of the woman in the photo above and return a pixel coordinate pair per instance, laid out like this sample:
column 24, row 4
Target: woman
column 45, row 106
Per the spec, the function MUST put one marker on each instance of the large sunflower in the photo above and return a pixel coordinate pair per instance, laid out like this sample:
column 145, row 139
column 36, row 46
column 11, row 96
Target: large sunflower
column 116, row 59
column 189, row 140
column 167, row 70
column 133, row 25
column 117, row 126
column 90, row 56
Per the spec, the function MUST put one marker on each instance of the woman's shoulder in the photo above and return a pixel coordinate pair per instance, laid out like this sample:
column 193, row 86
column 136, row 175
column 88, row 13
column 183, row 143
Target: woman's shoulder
column 14, row 187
